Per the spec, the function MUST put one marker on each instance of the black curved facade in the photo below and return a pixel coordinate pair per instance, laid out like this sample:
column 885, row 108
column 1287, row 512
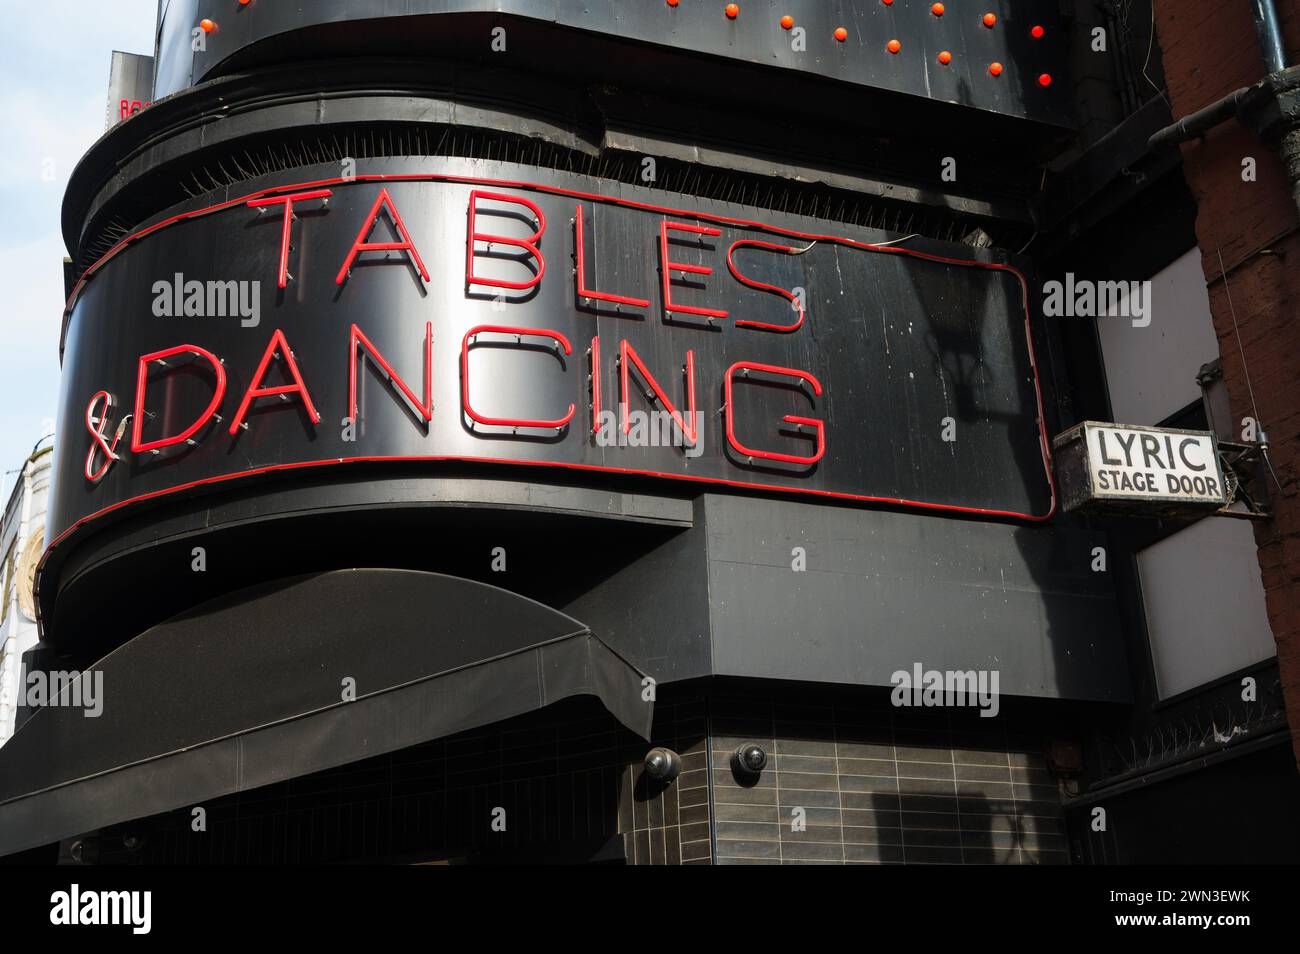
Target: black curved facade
column 682, row 32
column 488, row 249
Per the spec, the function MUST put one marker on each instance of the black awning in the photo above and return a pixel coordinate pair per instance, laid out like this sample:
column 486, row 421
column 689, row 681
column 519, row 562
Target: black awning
column 250, row 689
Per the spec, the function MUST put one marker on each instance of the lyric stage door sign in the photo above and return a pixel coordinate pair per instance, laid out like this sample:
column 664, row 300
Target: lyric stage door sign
column 427, row 318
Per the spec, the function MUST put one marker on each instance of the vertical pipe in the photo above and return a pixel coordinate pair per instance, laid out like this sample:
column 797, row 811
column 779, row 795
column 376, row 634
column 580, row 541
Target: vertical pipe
column 1271, row 49
column 1269, row 32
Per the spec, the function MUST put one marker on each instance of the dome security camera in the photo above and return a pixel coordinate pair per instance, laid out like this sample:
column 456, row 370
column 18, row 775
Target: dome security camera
column 663, row 764
column 750, row 758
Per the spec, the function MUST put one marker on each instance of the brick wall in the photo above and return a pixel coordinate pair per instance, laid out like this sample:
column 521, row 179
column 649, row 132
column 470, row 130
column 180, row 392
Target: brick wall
column 1209, row 50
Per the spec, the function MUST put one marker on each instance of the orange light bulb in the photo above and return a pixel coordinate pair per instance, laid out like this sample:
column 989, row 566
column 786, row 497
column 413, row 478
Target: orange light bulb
column 995, row 69
column 841, row 34
column 893, row 46
column 207, row 26
column 945, row 57
column 732, row 11
column 787, row 22
column 990, row 19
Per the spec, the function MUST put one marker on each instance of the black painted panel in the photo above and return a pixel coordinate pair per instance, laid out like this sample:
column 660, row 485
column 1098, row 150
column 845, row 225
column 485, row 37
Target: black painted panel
column 884, row 591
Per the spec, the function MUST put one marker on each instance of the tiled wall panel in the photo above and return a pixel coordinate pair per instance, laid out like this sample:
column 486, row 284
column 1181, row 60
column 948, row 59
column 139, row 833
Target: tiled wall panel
column 880, row 785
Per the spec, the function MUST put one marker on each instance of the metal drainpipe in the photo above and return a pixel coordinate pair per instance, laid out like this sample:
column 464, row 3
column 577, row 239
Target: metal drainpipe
column 1203, row 120
column 1269, row 32
column 1269, row 107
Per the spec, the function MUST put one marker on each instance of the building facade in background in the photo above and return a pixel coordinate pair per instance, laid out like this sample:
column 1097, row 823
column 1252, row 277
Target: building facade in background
column 649, row 433
column 22, row 541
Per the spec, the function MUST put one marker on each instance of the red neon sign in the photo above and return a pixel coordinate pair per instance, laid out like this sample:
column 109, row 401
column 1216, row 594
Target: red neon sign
column 359, row 245
column 584, row 293
column 657, row 231
column 360, row 341
column 529, row 245
column 277, row 347
column 97, row 424
column 668, row 267
column 789, row 296
column 595, row 385
column 129, row 107
column 287, row 201
column 627, row 359
column 520, row 334
column 138, row 444
column 818, row 427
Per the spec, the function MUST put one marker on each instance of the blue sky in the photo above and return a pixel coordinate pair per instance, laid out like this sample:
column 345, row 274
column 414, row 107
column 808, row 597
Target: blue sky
column 54, row 59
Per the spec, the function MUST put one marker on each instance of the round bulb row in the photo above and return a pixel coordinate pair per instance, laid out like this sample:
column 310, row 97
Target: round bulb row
column 207, row 25
column 732, row 11
column 990, row 20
